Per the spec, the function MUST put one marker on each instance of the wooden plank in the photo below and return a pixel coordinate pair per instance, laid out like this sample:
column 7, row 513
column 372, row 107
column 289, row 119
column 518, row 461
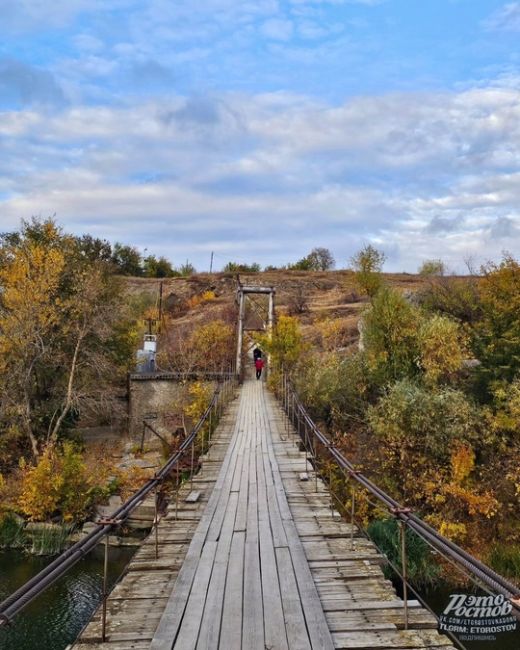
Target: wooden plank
column 211, row 620
column 189, row 631
column 400, row 639
column 297, row 636
column 231, row 631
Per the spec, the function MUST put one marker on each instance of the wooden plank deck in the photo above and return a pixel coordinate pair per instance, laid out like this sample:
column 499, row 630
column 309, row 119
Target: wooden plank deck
column 263, row 563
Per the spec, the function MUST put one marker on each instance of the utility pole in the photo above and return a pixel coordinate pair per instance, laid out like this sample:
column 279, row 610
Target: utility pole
column 211, row 263
column 160, row 303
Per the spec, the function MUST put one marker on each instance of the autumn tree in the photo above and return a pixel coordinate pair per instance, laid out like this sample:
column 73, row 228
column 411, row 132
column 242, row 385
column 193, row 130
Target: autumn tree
column 367, row 265
column 61, row 334
column 285, row 344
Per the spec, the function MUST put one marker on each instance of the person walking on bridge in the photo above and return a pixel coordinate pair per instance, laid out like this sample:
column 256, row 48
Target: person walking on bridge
column 259, row 364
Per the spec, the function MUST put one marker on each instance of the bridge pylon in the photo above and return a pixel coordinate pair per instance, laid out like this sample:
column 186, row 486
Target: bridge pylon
column 262, row 314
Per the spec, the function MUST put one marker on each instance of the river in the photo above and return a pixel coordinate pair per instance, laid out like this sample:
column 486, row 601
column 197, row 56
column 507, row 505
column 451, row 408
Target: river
column 55, row 618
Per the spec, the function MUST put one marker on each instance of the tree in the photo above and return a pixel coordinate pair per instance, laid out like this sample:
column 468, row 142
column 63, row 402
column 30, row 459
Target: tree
column 157, row 268
column 127, row 260
column 319, row 259
column 432, row 267
column 187, row 269
column 285, row 345
column 237, row 267
column 389, row 336
column 59, row 336
column 94, row 249
column 497, row 333
column 367, row 265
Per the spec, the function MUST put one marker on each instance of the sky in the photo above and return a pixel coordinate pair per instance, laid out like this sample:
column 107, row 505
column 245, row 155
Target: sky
column 260, row 129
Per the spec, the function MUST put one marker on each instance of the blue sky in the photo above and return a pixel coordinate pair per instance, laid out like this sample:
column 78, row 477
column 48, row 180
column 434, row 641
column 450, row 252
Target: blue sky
column 260, row 129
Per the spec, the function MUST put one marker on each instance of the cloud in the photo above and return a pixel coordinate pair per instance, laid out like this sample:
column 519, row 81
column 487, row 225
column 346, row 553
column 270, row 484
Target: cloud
column 23, row 85
column 421, row 175
column 505, row 19
column 277, row 29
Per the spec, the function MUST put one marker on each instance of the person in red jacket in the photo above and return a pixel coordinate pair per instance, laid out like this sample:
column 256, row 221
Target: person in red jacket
column 259, row 364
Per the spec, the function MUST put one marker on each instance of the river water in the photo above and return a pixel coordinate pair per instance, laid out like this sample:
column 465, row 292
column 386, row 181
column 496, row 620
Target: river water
column 55, row 618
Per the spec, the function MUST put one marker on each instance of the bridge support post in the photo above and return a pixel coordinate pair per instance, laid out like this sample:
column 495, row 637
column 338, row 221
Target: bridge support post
column 240, row 332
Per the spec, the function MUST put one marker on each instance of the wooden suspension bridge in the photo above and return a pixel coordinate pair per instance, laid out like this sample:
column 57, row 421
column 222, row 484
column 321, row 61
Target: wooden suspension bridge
column 253, row 556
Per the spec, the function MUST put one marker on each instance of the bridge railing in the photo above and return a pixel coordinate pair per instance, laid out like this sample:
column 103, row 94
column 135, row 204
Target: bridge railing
column 19, row 599
column 317, row 443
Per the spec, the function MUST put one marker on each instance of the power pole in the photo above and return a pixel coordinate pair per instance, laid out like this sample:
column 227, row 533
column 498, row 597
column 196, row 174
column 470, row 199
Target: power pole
column 160, row 302
column 211, row 263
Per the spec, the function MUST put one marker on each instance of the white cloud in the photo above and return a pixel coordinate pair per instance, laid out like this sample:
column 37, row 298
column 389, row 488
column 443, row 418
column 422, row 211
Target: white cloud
column 505, row 19
column 277, row 29
column 428, row 175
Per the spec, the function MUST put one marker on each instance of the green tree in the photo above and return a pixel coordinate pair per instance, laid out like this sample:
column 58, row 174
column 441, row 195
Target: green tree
column 389, row 337
column 237, row 267
column 432, row 267
column 187, row 269
column 319, row 259
column 497, row 333
column 127, row 260
column 94, row 249
column 157, row 268
column 368, row 265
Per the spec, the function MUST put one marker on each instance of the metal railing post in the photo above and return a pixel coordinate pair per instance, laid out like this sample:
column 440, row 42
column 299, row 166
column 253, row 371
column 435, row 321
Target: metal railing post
column 404, row 563
column 315, row 445
column 352, row 513
column 156, row 495
column 105, row 594
column 192, row 463
column 177, row 489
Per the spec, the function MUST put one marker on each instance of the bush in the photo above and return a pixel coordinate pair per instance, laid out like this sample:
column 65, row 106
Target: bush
column 423, row 571
column 426, row 420
column 57, row 486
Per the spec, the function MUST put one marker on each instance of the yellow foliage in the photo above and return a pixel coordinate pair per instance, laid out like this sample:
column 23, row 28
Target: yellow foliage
column 58, row 484
column 200, row 396
column 443, row 348
column 212, row 344
column 131, row 479
column 332, row 332
column 453, row 530
column 462, row 463
column 199, row 299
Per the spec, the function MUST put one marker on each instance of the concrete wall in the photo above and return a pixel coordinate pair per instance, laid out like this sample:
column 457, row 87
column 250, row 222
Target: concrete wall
column 152, row 398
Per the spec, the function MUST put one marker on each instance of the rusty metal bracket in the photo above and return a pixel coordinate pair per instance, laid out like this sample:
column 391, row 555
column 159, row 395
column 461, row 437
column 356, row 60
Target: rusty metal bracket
column 106, row 521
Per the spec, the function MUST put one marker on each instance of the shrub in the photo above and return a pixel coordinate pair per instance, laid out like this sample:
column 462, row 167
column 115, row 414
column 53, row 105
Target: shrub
column 58, row 485
column 429, row 421
column 423, row 571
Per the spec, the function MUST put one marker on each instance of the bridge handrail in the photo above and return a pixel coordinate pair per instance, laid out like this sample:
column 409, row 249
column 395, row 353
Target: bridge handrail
column 494, row 581
column 14, row 603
